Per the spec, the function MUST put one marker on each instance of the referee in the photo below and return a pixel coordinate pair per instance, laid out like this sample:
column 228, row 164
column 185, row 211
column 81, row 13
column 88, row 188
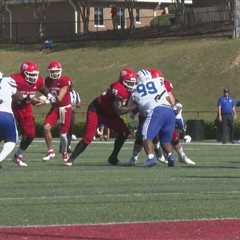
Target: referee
column 226, row 115
column 76, row 103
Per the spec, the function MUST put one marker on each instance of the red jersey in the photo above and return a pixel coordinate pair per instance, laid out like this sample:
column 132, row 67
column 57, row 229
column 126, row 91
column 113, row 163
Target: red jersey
column 54, row 86
column 27, row 89
column 168, row 85
column 105, row 101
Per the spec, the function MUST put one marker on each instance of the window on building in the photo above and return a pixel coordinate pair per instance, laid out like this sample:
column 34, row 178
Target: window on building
column 138, row 16
column 98, row 17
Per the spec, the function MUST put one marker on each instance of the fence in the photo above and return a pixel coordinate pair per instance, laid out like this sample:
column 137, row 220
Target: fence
column 31, row 32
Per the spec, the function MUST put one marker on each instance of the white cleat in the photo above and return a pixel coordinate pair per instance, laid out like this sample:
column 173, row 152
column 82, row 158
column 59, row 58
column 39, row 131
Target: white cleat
column 68, row 164
column 187, row 161
column 19, row 161
column 150, row 162
column 49, row 156
column 162, row 160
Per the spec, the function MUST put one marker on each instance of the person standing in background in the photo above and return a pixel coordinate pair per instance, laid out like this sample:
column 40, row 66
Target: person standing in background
column 226, row 115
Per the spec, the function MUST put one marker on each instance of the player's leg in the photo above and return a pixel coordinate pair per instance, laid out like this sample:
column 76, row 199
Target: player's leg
column 50, row 120
column 138, row 143
column 8, row 133
column 28, row 128
column 151, row 128
column 122, row 131
column 92, row 121
column 166, row 136
column 64, row 129
column 159, row 152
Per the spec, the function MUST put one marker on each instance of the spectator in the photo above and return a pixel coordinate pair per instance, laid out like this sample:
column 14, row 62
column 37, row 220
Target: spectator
column 226, row 115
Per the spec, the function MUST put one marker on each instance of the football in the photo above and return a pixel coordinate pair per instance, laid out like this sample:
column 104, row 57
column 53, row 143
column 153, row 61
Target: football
column 44, row 99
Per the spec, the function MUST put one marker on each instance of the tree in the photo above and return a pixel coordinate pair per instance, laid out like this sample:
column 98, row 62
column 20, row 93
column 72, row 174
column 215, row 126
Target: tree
column 236, row 28
column 3, row 6
column 40, row 13
column 131, row 6
column 83, row 7
column 179, row 11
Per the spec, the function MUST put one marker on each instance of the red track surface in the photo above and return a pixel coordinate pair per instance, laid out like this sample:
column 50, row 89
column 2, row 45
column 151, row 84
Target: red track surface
column 172, row 230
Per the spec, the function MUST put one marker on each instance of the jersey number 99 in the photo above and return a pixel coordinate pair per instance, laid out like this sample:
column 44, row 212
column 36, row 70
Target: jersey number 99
column 148, row 88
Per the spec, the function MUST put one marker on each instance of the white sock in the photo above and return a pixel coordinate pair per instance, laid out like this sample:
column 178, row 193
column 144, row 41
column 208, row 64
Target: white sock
column 150, row 156
column 6, row 150
column 181, row 152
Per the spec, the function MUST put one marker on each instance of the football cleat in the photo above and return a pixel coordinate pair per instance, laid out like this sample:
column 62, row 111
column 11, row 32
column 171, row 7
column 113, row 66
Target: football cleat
column 132, row 162
column 65, row 157
column 187, row 161
column 162, row 159
column 68, row 163
column 171, row 160
column 150, row 162
column 18, row 159
column 113, row 160
column 49, row 155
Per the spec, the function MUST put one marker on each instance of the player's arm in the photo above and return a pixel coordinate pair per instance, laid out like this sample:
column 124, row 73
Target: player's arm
column 63, row 91
column 171, row 99
column 121, row 107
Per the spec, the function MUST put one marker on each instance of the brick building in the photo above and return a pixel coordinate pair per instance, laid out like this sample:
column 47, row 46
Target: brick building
column 21, row 19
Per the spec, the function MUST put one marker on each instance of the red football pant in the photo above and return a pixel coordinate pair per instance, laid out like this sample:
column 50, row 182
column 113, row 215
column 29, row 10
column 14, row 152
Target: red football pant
column 53, row 116
column 94, row 119
column 26, row 122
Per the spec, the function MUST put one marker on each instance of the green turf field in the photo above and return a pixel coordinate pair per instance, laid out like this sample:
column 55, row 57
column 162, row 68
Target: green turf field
column 93, row 192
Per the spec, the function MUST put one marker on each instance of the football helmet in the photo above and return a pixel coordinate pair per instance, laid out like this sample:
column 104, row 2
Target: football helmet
column 143, row 75
column 156, row 73
column 30, row 71
column 55, row 69
column 128, row 78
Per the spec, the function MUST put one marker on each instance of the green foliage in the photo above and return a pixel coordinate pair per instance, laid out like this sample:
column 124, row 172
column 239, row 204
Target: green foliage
column 164, row 20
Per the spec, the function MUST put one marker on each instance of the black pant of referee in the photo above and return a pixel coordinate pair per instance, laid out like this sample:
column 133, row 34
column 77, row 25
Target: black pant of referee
column 227, row 127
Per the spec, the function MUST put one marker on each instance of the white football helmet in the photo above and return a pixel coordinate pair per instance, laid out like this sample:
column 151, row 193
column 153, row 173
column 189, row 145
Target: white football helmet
column 143, row 75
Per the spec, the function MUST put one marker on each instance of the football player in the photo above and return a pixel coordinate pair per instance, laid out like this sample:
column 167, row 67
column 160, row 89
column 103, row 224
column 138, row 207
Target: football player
column 8, row 130
column 180, row 126
column 59, row 86
column 28, row 82
column 154, row 105
column 106, row 109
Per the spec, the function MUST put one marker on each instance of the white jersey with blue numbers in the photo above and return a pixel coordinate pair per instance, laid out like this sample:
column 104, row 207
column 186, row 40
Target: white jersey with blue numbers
column 150, row 94
column 8, row 88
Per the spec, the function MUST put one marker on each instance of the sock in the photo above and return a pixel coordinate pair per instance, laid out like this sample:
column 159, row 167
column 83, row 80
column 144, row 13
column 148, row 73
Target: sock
column 150, row 156
column 181, row 153
column 6, row 150
column 119, row 141
column 19, row 151
column 63, row 143
column 81, row 146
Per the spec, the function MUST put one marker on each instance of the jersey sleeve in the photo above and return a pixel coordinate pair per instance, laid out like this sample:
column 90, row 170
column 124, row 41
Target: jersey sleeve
column 12, row 83
column 168, row 85
column 65, row 81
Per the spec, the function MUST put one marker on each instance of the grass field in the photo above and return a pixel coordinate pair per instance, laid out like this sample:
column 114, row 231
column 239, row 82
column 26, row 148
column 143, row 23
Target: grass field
column 198, row 67
column 93, row 192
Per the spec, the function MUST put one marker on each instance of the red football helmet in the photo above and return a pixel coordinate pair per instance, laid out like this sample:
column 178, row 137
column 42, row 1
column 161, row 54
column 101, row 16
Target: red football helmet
column 156, row 73
column 30, row 71
column 128, row 78
column 55, row 69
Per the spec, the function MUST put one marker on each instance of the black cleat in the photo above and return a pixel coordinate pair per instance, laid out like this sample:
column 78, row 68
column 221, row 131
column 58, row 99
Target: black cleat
column 113, row 160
